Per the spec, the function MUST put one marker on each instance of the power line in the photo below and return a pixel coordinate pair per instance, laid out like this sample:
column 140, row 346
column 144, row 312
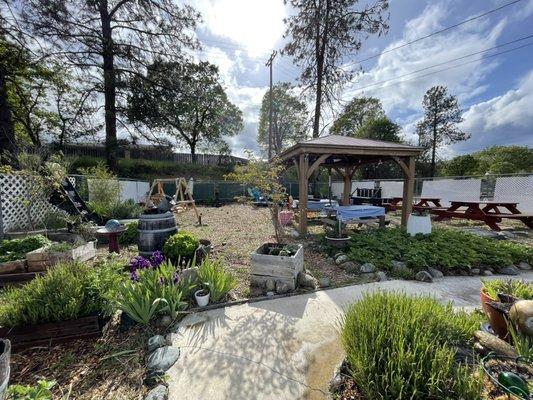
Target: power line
column 446, row 62
column 441, row 70
column 435, row 33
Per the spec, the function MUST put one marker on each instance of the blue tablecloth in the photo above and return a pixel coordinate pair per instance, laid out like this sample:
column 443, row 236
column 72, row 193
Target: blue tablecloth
column 347, row 213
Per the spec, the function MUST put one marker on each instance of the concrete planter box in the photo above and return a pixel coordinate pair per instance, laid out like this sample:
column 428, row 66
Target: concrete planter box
column 41, row 259
column 282, row 269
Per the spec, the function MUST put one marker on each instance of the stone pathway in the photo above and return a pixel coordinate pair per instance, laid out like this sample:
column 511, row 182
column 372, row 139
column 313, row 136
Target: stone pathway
column 281, row 349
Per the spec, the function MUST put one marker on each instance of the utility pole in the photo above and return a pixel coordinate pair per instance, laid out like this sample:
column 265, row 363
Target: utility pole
column 269, row 64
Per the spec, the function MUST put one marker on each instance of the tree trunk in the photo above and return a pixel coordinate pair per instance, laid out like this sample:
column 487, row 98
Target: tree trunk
column 111, row 145
column 7, row 132
column 433, row 151
column 316, row 122
column 194, row 156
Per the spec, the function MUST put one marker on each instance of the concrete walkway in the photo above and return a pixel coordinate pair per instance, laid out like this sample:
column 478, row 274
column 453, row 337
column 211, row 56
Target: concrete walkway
column 282, row 349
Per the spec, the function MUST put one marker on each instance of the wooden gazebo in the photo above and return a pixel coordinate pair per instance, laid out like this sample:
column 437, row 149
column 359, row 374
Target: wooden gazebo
column 345, row 154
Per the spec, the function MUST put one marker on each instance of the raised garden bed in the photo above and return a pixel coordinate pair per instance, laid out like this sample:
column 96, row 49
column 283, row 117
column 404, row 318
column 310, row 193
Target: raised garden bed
column 273, row 261
column 53, row 332
column 44, row 257
column 10, row 267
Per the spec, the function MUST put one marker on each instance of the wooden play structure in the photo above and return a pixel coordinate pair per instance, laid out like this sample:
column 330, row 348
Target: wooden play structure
column 181, row 201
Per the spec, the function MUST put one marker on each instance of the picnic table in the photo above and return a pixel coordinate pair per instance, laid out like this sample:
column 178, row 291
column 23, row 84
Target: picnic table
column 423, row 203
column 489, row 212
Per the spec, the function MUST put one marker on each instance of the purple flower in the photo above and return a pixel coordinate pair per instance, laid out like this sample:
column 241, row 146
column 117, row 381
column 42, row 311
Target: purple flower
column 157, row 258
column 139, row 262
column 176, row 278
column 134, row 276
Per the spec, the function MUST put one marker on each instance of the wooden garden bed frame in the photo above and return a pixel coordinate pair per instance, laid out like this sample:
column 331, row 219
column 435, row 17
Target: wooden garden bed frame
column 54, row 332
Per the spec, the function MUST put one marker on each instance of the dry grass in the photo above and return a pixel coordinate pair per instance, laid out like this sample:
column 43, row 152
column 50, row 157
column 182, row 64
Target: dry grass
column 111, row 367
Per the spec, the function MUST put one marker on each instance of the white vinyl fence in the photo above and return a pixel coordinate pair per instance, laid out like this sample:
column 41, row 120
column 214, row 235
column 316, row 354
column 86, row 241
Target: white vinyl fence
column 452, row 189
column 129, row 189
column 515, row 188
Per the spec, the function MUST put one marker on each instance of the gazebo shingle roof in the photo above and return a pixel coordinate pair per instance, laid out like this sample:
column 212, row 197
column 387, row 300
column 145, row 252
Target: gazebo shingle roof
column 336, row 140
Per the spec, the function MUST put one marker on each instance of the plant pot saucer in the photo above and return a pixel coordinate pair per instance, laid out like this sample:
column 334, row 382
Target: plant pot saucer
column 338, row 243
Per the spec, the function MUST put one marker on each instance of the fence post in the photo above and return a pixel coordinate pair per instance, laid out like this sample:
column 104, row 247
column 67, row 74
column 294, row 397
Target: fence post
column 1, row 218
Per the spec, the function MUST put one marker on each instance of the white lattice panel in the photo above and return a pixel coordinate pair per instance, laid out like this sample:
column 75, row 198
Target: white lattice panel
column 515, row 189
column 14, row 214
column 452, row 189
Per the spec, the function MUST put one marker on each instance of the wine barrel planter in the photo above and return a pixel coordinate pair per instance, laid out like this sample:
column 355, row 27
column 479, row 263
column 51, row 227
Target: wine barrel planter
column 154, row 229
column 53, row 332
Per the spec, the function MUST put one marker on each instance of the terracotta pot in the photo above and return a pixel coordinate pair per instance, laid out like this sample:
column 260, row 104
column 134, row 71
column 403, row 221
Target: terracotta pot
column 496, row 318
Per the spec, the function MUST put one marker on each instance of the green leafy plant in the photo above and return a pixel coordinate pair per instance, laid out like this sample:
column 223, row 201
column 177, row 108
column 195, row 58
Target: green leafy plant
column 60, row 247
column 215, row 279
column 124, row 210
column 513, row 287
column 138, row 302
column 180, row 245
column 68, row 291
column 401, row 347
column 41, row 391
column 56, row 219
column 131, row 234
column 104, row 189
column 16, row 249
column 447, row 249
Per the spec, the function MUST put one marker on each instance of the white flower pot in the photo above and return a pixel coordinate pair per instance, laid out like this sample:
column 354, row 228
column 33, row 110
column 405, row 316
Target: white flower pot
column 419, row 224
column 202, row 301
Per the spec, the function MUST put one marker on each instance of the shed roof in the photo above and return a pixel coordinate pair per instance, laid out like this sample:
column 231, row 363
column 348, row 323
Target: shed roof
column 345, row 145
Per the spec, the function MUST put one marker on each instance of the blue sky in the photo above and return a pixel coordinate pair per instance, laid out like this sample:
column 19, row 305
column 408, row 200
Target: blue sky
column 496, row 93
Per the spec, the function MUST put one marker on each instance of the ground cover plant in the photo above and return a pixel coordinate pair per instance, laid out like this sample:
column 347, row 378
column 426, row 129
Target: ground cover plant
column 447, row 249
column 401, row 347
column 68, row 291
column 16, row 249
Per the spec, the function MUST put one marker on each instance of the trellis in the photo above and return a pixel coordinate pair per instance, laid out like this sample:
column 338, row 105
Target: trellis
column 13, row 214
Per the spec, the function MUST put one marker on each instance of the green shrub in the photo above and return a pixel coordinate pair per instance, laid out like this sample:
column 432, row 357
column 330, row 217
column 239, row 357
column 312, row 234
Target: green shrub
column 131, row 234
column 104, row 189
column 125, row 210
column 447, row 249
column 401, row 347
column 16, row 249
column 67, row 291
column 180, row 245
column 218, row 281
column 513, row 287
column 55, row 220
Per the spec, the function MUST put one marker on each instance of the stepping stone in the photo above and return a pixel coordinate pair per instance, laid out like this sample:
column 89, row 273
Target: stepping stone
column 160, row 392
column 162, row 359
column 156, row 342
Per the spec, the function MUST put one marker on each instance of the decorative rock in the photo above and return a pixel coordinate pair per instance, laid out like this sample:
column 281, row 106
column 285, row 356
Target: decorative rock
column 294, row 233
column 435, row 273
column 398, row 265
column 487, row 272
column 282, row 288
column 330, row 260
column 506, row 235
column 162, row 359
column 341, row 259
column 337, row 255
column 351, row 267
column 163, row 321
column 369, row 276
column 486, row 233
column 190, row 273
column 509, row 270
column 306, row 280
column 270, row 294
column 423, row 276
column 367, row 268
column 382, row 276
column 156, row 342
column 160, row 392
column 324, row 282
column 270, row 285
column 475, row 271
column 524, row 266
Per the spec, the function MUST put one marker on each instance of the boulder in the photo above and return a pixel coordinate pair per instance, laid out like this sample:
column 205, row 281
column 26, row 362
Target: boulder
column 341, row 259
column 475, row 271
column 163, row 322
column 282, row 288
column 435, row 273
column 307, row 281
column 190, row 273
column 367, row 268
column 330, row 260
column 156, row 342
column 524, row 266
column 423, row 276
column 324, row 282
column 509, row 270
column 368, row 276
column 162, row 359
column 270, row 285
column 381, row 276
column 160, row 392
column 351, row 267
column 398, row 265
column 487, row 272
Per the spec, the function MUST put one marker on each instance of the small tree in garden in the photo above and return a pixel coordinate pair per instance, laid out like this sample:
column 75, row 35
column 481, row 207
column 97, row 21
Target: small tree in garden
column 104, row 189
column 265, row 176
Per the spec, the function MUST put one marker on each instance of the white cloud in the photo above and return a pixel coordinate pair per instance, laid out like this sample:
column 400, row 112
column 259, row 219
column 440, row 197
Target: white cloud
column 503, row 120
column 255, row 24
column 406, row 93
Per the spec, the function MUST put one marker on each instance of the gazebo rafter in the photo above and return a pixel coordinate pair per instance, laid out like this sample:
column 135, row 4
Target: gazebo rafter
column 345, row 155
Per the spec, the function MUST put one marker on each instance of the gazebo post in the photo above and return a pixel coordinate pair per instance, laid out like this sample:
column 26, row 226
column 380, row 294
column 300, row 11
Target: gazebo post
column 347, row 189
column 408, row 189
column 302, row 205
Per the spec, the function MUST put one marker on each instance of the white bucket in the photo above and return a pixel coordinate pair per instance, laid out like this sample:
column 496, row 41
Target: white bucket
column 419, row 224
